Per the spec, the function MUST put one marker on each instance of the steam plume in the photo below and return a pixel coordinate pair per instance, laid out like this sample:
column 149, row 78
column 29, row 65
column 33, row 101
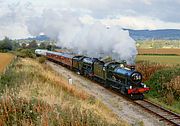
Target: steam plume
column 94, row 40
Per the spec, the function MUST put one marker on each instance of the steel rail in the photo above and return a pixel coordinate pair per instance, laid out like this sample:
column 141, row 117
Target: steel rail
column 164, row 114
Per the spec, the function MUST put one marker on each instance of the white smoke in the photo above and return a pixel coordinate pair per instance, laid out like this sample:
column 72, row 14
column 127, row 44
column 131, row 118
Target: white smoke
column 96, row 40
column 67, row 28
column 53, row 23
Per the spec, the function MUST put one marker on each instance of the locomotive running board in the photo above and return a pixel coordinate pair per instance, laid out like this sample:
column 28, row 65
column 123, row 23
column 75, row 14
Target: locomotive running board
column 115, row 87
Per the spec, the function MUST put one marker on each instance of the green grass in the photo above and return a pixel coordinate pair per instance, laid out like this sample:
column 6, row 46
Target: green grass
column 175, row 107
column 170, row 60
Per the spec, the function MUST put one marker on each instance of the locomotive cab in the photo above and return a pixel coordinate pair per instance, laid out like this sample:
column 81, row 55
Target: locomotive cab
column 87, row 66
column 76, row 63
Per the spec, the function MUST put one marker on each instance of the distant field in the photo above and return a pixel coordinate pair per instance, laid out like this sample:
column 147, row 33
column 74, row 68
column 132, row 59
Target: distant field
column 159, row 51
column 5, row 59
column 158, row 44
column 173, row 60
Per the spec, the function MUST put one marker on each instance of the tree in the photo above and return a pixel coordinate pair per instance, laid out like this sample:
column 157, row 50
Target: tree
column 33, row 44
column 50, row 47
column 23, row 45
column 43, row 45
column 6, row 45
column 15, row 45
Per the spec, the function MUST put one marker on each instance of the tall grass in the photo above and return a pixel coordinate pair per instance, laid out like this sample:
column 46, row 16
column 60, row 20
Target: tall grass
column 36, row 95
column 148, row 68
column 164, row 82
column 20, row 111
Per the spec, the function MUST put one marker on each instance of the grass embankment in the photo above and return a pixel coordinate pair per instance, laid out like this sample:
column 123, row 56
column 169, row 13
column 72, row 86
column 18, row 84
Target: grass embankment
column 5, row 59
column 33, row 94
column 164, row 81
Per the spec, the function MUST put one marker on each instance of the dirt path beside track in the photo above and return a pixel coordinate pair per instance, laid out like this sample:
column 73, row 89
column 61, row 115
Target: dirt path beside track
column 125, row 109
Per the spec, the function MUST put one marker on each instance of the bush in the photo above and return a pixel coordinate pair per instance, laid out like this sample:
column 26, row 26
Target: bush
column 42, row 59
column 26, row 53
column 162, row 84
column 148, row 69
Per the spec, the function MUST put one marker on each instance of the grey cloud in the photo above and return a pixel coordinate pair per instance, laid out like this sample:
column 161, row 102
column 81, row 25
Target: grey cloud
column 23, row 13
column 166, row 10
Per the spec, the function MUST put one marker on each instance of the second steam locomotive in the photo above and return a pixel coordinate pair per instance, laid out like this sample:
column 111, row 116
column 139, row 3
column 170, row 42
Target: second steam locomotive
column 117, row 75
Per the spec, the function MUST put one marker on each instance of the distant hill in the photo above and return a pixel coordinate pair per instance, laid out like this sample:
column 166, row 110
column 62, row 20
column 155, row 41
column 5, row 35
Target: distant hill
column 38, row 38
column 165, row 34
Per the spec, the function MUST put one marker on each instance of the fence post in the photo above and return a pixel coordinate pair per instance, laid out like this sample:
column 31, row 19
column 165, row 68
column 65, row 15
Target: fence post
column 70, row 81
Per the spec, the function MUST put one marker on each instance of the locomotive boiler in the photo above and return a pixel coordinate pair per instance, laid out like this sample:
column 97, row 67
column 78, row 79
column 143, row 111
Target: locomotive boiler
column 126, row 80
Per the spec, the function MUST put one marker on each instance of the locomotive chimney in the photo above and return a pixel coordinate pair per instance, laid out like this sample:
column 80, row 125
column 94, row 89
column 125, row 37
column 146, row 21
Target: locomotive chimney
column 132, row 67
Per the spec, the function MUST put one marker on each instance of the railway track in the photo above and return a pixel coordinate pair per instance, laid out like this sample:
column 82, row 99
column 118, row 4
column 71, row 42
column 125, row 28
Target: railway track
column 169, row 117
column 165, row 115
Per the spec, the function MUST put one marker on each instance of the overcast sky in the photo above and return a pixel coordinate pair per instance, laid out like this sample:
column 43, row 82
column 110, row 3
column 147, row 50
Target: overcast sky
column 133, row 14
